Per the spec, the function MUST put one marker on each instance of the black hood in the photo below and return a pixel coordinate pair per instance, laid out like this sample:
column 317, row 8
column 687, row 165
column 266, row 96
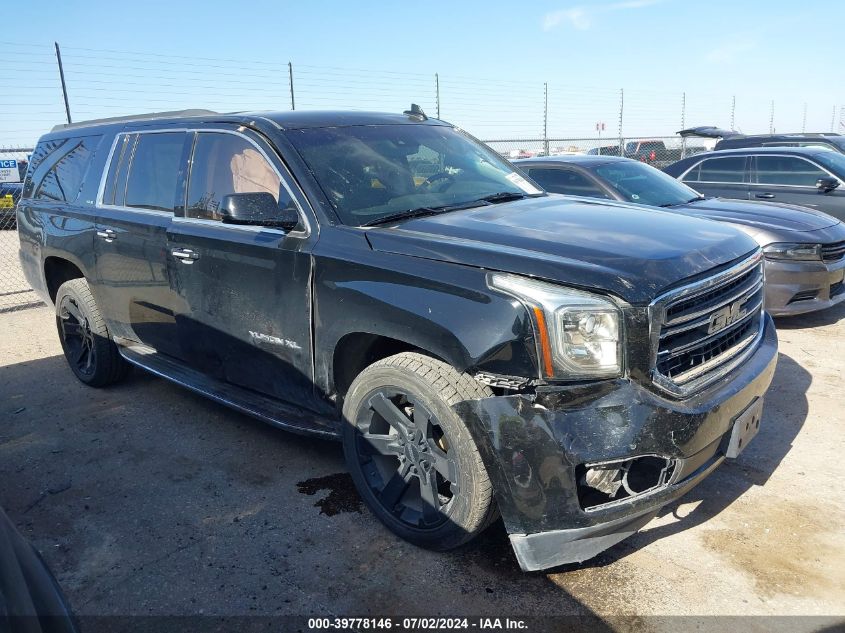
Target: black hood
column 626, row 250
column 765, row 216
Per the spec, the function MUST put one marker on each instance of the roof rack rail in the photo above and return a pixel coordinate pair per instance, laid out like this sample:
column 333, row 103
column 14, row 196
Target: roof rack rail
column 134, row 117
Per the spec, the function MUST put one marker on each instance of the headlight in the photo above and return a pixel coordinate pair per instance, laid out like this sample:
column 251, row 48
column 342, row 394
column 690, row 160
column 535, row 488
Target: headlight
column 794, row 252
column 579, row 334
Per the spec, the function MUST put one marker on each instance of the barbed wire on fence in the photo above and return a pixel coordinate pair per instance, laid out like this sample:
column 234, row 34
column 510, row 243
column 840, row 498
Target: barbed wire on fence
column 110, row 82
column 519, row 117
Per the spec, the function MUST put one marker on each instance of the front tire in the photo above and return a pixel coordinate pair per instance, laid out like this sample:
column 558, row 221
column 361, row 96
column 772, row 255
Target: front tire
column 92, row 355
column 411, row 457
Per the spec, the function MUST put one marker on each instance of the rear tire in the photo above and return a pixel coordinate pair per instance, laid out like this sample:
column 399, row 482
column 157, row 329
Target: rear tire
column 92, row 355
column 411, row 457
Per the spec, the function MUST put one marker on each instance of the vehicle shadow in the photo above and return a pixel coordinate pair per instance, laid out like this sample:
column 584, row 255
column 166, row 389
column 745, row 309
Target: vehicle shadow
column 812, row 319
column 786, row 409
column 236, row 514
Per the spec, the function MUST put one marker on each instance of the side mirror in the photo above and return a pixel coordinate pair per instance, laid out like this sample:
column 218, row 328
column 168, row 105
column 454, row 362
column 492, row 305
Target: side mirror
column 257, row 209
column 827, row 184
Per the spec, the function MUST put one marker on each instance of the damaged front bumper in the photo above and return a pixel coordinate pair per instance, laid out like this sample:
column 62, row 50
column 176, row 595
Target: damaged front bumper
column 578, row 468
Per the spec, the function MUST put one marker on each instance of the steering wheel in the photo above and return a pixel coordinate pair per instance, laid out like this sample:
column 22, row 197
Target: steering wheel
column 443, row 175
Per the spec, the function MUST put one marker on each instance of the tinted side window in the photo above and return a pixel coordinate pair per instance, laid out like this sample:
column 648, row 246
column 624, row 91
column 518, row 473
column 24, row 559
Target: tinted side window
column 39, row 155
column 787, row 170
column 63, row 181
column 117, row 169
column 729, row 169
column 693, row 174
column 154, row 171
column 565, row 181
column 225, row 164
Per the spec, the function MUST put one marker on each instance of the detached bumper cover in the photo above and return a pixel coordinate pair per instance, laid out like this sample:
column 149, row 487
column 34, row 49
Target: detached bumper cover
column 532, row 446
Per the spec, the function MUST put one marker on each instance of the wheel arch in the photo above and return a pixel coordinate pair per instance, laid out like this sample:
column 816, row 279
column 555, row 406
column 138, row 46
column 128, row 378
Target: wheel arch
column 58, row 270
column 355, row 351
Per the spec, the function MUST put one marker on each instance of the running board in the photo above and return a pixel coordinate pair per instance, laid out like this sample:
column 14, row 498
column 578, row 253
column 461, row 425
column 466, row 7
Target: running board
column 253, row 404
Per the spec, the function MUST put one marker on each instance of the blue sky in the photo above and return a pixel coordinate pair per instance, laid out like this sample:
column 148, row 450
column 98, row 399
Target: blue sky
column 492, row 58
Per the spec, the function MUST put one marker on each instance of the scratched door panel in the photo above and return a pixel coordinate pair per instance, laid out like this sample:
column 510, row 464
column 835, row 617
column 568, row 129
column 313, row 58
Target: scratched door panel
column 245, row 314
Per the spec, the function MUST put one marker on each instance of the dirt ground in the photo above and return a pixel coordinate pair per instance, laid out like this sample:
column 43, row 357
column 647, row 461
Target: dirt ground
column 147, row 499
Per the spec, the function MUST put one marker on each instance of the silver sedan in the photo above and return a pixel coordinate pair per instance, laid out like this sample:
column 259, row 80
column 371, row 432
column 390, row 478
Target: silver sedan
column 804, row 248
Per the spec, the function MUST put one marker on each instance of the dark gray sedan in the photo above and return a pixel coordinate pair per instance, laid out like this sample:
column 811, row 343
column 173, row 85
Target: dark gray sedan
column 804, row 249
column 809, row 176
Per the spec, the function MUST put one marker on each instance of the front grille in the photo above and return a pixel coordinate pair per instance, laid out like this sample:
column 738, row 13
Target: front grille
column 833, row 252
column 702, row 330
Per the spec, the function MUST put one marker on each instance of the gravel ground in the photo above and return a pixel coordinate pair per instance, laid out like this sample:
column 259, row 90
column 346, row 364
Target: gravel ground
column 147, row 499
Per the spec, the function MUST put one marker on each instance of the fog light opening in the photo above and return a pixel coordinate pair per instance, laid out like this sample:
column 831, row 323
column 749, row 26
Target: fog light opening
column 607, row 482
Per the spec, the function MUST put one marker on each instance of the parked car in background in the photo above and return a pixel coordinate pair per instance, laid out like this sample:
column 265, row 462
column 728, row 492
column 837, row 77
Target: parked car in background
column 804, row 249
column 653, row 152
column 805, row 176
column 730, row 139
column 480, row 347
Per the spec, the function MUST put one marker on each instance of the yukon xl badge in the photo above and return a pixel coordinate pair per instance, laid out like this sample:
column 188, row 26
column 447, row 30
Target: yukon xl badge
column 723, row 317
column 267, row 339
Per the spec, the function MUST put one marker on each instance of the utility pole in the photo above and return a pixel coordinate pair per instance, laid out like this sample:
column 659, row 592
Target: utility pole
column 804, row 120
column 437, row 92
column 733, row 112
column 833, row 119
column 772, row 118
column 683, row 123
column 290, row 79
column 546, row 119
column 64, row 85
column 621, row 113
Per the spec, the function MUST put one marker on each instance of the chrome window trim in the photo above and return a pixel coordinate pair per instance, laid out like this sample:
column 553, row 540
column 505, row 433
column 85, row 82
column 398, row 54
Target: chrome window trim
column 710, row 182
column 806, row 160
column 657, row 315
column 282, row 179
column 101, row 189
column 107, row 166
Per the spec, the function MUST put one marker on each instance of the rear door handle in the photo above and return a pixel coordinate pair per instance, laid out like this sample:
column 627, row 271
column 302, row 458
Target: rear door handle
column 767, row 196
column 107, row 234
column 185, row 255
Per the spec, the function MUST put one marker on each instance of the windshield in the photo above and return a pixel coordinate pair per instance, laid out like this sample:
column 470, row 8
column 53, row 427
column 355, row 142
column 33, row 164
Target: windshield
column 639, row 183
column 385, row 171
column 834, row 161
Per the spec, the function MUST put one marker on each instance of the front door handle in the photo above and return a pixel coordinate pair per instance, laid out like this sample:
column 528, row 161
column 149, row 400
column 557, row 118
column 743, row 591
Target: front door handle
column 767, row 196
column 107, row 234
column 185, row 255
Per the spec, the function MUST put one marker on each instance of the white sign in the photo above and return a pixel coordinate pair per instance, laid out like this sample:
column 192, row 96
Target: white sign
column 9, row 171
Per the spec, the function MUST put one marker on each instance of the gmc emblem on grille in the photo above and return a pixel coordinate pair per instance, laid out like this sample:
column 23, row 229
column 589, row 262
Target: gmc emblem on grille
column 723, row 317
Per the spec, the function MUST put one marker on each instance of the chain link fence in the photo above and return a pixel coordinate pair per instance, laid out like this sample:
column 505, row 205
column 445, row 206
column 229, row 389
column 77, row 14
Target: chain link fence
column 519, row 117
column 657, row 151
column 15, row 293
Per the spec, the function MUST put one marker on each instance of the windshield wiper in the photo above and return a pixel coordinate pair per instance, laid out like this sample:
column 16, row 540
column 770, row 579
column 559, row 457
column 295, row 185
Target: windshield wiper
column 675, row 204
column 505, row 196
column 423, row 211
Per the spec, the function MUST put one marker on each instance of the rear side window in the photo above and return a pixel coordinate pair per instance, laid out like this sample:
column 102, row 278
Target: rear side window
column 58, row 168
column 115, row 189
column 730, row 169
column 565, row 181
column 226, row 164
column 787, row 170
column 154, row 171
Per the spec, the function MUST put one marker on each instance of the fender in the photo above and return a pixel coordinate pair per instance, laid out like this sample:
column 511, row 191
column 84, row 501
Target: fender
column 442, row 308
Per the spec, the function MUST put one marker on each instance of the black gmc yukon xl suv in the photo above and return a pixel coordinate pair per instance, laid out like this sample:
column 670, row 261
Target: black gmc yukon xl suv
column 479, row 346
